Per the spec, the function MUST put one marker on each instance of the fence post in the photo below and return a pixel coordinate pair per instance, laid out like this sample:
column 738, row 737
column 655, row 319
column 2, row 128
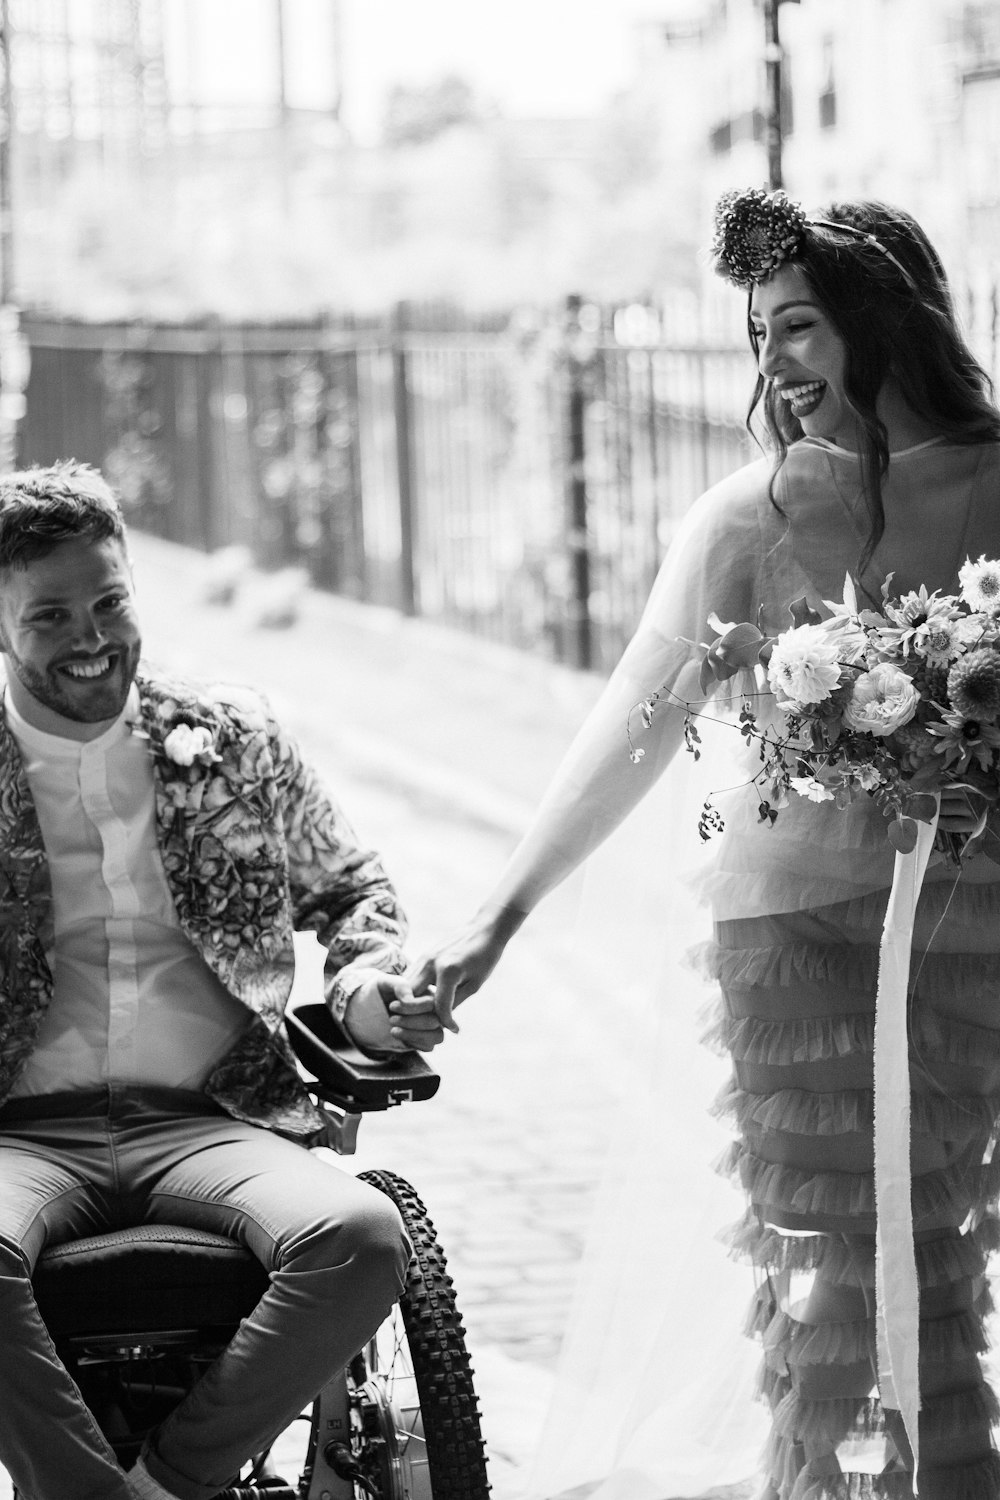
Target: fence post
column 402, row 406
column 579, row 353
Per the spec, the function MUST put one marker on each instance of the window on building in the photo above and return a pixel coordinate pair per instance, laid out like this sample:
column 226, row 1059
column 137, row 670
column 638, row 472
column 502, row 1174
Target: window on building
column 720, row 138
column 828, row 88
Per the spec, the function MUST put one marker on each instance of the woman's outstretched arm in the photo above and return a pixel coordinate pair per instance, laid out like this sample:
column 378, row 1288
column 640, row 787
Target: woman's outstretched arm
column 593, row 790
column 711, row 567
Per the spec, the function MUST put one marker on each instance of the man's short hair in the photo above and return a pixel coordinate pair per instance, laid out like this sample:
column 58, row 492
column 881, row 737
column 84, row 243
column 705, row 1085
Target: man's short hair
column 41, row 507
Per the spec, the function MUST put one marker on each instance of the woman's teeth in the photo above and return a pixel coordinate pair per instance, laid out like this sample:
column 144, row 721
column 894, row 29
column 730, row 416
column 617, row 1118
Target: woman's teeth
column 803, row 398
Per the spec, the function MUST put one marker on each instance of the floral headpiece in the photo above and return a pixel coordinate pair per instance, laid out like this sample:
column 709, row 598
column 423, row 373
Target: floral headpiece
column 756, row 231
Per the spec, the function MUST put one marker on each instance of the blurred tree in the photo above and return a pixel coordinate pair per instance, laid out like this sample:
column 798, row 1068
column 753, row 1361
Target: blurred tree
column 417, row 113
column 628, row 152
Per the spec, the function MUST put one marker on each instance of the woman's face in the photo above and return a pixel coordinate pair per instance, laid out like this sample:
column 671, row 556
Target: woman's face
column 803, row 356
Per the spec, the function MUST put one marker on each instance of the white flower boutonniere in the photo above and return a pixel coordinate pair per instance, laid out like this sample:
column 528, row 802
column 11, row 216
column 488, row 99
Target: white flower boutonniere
column 187, row 745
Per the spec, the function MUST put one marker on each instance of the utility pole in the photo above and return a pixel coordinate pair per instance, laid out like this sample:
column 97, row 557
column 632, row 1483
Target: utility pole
column 6, row 147
column 772, row 110
column 284, row 113
column 337, row 27
column 14, row 355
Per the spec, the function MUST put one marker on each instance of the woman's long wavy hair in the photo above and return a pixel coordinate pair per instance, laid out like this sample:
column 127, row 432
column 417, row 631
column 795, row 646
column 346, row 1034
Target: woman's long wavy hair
column 889, row 326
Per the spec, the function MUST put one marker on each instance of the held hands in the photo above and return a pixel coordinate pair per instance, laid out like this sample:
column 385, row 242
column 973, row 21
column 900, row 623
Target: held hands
column 384, row 1015
column 464, row 964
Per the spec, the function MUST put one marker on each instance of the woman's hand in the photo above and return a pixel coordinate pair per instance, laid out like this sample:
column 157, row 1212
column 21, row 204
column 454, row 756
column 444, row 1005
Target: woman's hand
column 963, row 810
column 462, row 966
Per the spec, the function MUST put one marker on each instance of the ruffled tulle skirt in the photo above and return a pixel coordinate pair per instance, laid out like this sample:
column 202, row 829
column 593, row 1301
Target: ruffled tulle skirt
column 797, row 1018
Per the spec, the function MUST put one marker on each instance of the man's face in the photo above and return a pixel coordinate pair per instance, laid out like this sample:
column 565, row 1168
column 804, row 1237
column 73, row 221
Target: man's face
column 69, row 631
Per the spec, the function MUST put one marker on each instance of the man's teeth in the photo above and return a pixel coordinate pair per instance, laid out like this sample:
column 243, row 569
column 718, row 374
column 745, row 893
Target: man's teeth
column 88, row 669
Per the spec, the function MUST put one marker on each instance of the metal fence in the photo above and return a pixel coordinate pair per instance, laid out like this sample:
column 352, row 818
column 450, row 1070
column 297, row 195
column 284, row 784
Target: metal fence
column 517, row 477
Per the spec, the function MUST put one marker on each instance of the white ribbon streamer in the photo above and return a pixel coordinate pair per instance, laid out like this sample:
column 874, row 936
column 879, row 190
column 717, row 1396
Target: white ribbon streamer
column 897, row 1292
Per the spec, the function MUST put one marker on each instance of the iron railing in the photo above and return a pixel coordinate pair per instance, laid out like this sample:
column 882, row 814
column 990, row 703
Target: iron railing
column 517, row 477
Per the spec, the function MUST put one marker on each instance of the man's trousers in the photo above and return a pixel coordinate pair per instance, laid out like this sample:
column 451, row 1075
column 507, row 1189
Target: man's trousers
column 78, row 1164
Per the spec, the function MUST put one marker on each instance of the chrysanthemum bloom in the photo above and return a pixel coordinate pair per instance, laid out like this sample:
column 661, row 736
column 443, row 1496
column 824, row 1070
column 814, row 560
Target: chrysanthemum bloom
column 937, row 640
column 974, row 685
column 980, row 583
column 883, row 700
column 961, row 741
column 804, row 668
column 913, row 618
column 917, row 607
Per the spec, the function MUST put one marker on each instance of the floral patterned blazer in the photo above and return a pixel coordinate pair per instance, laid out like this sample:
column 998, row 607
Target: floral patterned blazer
column 253, row 848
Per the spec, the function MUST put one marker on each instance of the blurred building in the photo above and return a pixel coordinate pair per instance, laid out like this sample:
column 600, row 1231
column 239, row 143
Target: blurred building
column 143, row 129
column 150, row 103
column 898, row 99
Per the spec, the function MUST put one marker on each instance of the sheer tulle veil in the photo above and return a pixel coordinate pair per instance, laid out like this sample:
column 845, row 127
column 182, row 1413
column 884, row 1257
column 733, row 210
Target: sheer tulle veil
column 653, row 1395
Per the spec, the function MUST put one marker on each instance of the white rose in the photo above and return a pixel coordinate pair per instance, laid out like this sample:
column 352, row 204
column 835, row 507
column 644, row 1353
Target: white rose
column 804, row 667
column 883, row 700
column 185, row 744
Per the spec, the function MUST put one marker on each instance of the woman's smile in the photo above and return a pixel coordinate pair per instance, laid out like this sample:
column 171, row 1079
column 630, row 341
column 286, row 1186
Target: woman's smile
column 802, row 355
column 803, row 397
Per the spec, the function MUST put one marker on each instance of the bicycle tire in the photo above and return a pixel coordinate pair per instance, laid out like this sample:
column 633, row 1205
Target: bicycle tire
column 456, row 1456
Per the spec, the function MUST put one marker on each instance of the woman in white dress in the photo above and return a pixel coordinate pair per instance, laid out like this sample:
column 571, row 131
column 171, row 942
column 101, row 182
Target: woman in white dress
column 884, row 460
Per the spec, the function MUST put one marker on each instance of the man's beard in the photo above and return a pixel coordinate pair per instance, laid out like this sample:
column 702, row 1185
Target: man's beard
column 96, row 700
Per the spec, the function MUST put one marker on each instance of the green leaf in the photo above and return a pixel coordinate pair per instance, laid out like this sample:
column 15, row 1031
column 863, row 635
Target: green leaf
column 802, row 613
column 923, row 807
column 903, row 835
column 739, row 647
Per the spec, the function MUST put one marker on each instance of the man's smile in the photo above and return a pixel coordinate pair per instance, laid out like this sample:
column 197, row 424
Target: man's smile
column 88, row 671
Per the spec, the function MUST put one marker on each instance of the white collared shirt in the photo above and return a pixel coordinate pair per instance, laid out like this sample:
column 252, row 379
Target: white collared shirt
column 133, row 1002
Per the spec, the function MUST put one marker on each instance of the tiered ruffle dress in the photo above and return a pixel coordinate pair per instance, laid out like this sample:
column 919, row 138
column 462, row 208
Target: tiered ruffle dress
column 798, row 911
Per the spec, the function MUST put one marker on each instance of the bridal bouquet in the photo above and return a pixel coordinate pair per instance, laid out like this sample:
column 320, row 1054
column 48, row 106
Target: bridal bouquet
column 895, row 703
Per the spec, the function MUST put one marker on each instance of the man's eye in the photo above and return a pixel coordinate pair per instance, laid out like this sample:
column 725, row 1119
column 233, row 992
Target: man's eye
column 113, row 603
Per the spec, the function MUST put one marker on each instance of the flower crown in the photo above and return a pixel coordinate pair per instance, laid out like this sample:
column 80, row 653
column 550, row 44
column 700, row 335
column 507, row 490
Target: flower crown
column 756, row 231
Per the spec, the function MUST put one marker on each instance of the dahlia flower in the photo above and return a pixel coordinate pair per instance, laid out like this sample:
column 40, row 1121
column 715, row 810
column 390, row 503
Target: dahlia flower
column 974, row 685
column 804, row 668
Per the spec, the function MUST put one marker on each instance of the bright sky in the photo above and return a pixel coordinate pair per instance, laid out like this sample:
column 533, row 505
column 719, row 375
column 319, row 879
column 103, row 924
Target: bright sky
column 547, row 57
column 532, row 56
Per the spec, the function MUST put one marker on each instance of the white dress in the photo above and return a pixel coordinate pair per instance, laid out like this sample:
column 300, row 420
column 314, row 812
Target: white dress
column 653, row 1395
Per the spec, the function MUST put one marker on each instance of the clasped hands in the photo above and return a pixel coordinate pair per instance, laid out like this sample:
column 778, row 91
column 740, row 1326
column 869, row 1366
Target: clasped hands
column 412, row 1011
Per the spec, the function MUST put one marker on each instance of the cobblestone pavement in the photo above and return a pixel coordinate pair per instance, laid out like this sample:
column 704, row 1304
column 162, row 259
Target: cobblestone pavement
column 438, row 747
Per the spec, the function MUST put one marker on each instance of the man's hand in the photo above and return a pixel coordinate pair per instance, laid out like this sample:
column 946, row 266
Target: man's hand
column 384, row 1015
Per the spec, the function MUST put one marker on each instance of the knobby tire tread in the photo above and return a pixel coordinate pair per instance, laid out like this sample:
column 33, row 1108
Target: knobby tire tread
column 441, row 1366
